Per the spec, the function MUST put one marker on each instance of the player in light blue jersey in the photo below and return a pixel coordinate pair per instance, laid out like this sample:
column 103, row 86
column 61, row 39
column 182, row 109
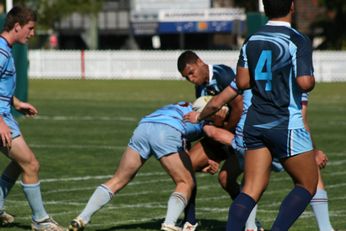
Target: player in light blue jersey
column 276, row 63
column 19, row 27
column 162, row 134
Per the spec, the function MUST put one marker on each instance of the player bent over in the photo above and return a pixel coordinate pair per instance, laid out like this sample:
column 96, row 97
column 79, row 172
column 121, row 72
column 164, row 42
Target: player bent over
column 163, row 134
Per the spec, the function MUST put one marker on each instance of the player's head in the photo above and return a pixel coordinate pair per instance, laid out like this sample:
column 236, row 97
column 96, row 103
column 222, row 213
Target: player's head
column 193, row 68
column 20, row 20
column 277, row 8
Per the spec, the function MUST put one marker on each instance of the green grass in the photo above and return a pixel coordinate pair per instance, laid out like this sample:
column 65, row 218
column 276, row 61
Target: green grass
column 84, row 126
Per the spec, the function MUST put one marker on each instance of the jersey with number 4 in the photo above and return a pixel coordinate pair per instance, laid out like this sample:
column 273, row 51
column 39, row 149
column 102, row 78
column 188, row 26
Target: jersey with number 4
column 275, row 56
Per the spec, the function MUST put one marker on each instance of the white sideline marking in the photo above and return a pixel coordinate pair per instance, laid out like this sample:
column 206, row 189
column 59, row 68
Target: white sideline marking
column 85, row 118
column 76, row 146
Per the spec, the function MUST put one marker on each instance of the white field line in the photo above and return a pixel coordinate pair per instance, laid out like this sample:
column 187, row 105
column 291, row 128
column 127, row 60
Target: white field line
column 76, row 146
column 85, row 118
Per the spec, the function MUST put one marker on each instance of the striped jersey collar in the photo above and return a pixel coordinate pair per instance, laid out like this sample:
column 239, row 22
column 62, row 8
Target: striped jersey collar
column 1, row 37
column 278, row 23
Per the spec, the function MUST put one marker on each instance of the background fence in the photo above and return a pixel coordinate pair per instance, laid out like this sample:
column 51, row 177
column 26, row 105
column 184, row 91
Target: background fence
column 50, row 64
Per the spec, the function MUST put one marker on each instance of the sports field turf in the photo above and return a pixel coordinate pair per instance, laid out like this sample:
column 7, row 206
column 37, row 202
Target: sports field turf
column 84, row 126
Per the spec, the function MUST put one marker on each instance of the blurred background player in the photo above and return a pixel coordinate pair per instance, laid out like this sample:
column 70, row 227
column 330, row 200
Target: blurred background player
column 19, row 27
column 210, row 80
column 163, row 134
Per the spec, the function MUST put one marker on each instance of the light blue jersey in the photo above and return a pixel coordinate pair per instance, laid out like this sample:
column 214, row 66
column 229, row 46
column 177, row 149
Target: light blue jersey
column 164, row 131
column 7, row 76
column 7, row 86
column 172, row 115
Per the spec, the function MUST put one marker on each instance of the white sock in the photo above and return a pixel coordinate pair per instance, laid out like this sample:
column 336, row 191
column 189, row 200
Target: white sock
column 33, row 196
column 319, row 204
column 251, row 221
column 101, row 196
column 176, row 205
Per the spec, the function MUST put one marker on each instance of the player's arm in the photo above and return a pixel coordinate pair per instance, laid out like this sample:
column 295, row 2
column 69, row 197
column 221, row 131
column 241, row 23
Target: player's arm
column 212, row 106
column 306, row 82
column 220, row 135
column 23, row 107
column 236, row 112
column 320, row 157
column 5, row 133
column 243, row 78
column 305, row 78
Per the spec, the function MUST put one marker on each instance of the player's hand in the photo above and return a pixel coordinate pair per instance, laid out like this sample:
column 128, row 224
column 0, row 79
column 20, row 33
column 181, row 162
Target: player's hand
column 27, row 109
column 5, row 133
column 320, row 158
column 192, row 117
column 212, row 168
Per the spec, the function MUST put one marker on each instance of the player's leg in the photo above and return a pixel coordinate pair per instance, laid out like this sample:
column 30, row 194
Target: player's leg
column 7, row 180
column 199, row 160
column 22, row 154
column 178, row 166
column 303, row 170
column 319, row 205
column 129, row 165
column 256, row 178
column 228, row 176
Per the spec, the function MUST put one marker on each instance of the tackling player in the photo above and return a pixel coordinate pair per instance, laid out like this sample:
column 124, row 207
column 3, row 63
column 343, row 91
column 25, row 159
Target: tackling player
column 210, row 80
column 163, row 134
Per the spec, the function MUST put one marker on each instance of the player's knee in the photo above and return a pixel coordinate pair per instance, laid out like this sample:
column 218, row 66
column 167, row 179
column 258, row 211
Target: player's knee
column 33, row 166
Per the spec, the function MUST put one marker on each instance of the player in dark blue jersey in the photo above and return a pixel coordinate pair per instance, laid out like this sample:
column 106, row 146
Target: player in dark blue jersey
column 19, row 27
column 210, row 80
column 276, row 63
column 162, row 134
column 319, row 202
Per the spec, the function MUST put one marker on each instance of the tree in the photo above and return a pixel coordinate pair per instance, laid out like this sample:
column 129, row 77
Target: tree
column 332, row 25
column 51, row 12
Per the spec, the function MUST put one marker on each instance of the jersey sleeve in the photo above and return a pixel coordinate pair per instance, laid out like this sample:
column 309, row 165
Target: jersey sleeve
column 304, row 57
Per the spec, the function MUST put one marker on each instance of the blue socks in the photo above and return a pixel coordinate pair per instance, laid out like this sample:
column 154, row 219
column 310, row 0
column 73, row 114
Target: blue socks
column 291, row 208
column 239, row 212
column 33, row 195
column 190, row 209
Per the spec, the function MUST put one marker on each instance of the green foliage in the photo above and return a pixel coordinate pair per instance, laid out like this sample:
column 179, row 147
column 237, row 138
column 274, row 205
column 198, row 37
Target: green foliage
column 84, row 126
column 52, row 11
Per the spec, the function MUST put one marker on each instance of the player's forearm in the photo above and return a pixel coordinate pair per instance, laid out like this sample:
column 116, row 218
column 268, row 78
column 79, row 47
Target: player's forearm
column 16, row 102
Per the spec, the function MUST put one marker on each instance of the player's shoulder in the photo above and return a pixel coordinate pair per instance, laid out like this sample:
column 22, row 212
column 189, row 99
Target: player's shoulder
column 299, row 38
column 5, row 50
column 222, row 71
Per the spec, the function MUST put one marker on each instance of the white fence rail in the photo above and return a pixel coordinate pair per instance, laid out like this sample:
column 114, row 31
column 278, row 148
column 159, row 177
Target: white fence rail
column 50, row 64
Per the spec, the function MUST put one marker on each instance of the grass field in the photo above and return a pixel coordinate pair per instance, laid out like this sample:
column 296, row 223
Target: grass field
column 84, row 126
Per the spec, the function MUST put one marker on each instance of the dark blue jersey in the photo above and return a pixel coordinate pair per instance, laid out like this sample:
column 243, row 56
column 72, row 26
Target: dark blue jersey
column 276, row 55
column 220, row 76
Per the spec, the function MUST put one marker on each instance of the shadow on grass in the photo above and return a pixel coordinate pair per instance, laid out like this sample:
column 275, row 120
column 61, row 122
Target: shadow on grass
column 15, row 226
column 155, row 224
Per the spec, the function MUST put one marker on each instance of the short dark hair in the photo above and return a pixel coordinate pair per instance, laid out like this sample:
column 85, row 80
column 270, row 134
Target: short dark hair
column 277, row 8
column 19, row 14
column 185, row 58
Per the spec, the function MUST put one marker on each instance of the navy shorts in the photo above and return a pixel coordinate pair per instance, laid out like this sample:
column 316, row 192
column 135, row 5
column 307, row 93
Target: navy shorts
column 282, row 143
